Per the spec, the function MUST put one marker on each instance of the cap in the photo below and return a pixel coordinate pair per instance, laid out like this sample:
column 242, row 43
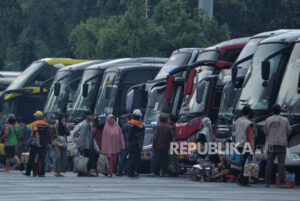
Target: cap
column 38, row 114
column 123, row 116
column 137, row 113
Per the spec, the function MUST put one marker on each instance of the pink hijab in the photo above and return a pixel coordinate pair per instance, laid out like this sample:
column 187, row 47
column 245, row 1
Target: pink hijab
column 112, row 139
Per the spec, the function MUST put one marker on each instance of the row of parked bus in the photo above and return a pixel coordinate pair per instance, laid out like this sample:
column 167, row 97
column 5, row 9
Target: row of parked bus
column 194, row 83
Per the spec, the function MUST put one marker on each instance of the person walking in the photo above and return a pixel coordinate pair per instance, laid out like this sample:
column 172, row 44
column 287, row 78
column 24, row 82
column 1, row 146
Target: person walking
column 11, row 133
column 61, row 145
column 162, row 137
column 124, row 152
column 277, row 130
column 112, row 143
column 38, row 144
column 135, row 140
column 243, row 133
column 85, row 140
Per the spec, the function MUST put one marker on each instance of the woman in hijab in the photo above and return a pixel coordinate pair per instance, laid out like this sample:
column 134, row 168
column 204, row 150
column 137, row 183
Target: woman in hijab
column 112, row 143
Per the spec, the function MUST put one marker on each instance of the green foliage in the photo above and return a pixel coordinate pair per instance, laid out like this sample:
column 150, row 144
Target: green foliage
column 174, row 24
column 90, row 29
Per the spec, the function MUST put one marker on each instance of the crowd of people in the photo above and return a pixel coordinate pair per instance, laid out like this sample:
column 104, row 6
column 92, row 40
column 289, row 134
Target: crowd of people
column 121, row 144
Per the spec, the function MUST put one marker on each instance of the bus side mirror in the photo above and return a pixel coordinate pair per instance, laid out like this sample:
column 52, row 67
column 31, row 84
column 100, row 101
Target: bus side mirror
column 234, row 74
column 56, row 89
column 129, row 100
column 85, row 89
column 152, row 98
column 189, row 84
column 169, row 87
column 265, row 70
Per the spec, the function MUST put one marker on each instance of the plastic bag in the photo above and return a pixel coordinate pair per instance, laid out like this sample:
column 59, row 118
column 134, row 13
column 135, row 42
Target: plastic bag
column 80, row 164
column 251, row 167
column 102, row 163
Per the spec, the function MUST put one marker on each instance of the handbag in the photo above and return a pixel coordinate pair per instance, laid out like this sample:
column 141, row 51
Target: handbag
column 102, row 163
column 80, row 164
column 251, row 167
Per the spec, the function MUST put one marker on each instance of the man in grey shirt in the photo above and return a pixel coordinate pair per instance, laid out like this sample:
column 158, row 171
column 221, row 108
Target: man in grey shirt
column 85, row 139
column 277, row 129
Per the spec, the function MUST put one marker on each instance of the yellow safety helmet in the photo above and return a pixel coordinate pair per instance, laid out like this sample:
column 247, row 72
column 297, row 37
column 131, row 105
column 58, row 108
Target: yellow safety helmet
column 38, row 114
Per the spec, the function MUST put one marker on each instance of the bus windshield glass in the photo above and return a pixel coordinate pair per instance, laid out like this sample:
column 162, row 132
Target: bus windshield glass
column 107, row 94
column 83, row 104
column 25, row 76
column 289, row 94
column 254, row 92
column 177, row 59
column 190, row 107
column 68, row 84
column 159, row 104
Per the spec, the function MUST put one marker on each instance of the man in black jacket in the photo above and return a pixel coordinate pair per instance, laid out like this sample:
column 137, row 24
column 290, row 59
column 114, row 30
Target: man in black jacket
column 135, row 139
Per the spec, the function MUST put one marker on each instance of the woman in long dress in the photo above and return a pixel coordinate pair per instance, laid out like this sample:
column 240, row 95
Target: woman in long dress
column 112, row 143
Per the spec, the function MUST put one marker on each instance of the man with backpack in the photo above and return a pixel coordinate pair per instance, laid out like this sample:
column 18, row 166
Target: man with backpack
column 135, row 140
column 11, row 133
column 38, row 144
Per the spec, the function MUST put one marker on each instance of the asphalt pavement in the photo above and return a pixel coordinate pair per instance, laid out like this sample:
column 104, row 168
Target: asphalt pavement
column 14, row 186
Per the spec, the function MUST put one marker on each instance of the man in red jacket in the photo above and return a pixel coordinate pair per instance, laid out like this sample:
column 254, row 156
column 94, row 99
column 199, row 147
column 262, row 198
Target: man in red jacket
column 162, row 138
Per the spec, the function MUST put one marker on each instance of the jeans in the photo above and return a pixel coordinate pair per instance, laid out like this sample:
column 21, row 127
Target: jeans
column 41, row 151
column 50, row 157
column 280, row 151
column 123, row 161
column 60, row 158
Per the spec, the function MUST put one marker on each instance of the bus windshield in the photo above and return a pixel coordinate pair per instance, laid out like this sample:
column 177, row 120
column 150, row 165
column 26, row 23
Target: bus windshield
column 83, row 104
column 189, row 106
column 289, row 93
column 107, row 94
column 254, row 93
column 152, row 113
column 69, row 81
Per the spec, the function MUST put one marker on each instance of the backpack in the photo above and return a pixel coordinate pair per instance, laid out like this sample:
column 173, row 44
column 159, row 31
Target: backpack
column 133, row 138
column 43, row 133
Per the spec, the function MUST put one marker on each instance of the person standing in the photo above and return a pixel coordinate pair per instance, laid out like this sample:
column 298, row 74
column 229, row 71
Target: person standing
column 112, row 143
column 97, row 132
column 173, row 157
column 243, row 133
column 135, row 140
column 11, row 133
column 162, row 137
column 38, row 144
column 277, row 130
column 21, row 146
column 124, row 152
column 61, row 145
column 85, row 140
column 50, row 152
